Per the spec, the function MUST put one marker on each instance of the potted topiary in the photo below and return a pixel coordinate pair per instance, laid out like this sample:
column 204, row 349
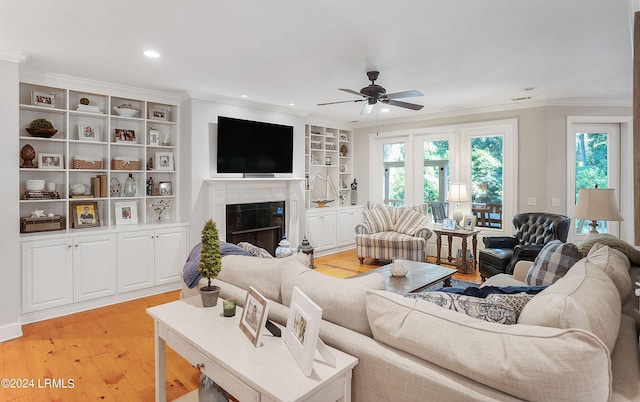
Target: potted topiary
column 41, row 128
column 210, row 263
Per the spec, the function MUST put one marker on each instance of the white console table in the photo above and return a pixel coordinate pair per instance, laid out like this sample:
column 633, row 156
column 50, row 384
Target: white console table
column 218, row 347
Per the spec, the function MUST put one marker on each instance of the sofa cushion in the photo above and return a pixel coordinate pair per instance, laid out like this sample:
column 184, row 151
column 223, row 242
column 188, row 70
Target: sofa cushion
column 584, row 298
column 396, row 212
column 342, row 300
column 384, row 239
column 552, row 263
column 530, row 363
column 254, row 250
column 410, row 222
column 498, row 308
column 613, row 242
column 615, row 264
column 378, row 219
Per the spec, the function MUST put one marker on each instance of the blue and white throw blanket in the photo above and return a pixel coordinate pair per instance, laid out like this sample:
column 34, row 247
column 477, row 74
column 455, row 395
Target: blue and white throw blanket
column 190, row 273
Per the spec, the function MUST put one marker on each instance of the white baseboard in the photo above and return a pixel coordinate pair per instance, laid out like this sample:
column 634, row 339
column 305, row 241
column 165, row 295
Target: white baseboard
column 10, row 331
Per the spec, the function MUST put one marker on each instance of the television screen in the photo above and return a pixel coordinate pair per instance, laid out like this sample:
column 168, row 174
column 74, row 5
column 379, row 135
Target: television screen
column 246, row 146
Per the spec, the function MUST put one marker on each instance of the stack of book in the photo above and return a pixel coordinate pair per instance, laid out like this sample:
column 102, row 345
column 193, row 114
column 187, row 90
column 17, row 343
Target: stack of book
column 41, row 195
column 99, row 186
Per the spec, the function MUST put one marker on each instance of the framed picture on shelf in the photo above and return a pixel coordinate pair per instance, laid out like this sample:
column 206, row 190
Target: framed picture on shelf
column 125, row 136
column 88, row 131
column 469, row 222
column 50, row 161
column 126, row 213
column 303, row 325
column 159, row 114
column 254, row 315
column 85, row 215
column 448, row 224
column 43, row 99
column 164, row 188
column 154, row 136
column 163, row 161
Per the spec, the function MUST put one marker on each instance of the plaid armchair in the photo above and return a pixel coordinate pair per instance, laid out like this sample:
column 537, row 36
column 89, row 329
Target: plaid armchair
column 389, row 232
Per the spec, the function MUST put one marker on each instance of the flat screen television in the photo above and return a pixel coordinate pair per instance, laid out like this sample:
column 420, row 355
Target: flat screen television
column 254, row 147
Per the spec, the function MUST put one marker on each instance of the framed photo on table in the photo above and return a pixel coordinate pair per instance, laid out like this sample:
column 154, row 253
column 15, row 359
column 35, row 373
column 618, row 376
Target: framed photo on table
column 254, row 315
column 469, row 222
column 85, row 215
column 88, row 131
column 448, row 224
column 126, row 213
column 303, row 326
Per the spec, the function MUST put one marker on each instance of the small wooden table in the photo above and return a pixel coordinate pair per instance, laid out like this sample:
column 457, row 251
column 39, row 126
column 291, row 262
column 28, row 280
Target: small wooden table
column 420, row 275
column 217, row 346
column 463, row 234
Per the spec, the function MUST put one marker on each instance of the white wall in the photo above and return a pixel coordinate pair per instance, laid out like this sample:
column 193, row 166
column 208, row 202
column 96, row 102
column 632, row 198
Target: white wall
column 199, row 121
column 10, row 283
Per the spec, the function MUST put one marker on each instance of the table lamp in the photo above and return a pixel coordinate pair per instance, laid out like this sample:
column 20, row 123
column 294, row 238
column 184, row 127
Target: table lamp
column 597, row 204
column 457, row 194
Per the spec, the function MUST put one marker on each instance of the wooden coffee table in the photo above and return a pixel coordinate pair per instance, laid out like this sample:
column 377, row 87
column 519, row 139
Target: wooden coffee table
column 420, row 275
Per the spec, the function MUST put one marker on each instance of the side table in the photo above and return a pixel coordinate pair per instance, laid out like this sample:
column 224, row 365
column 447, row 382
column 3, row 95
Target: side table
column 464, row 235
column 217, row 346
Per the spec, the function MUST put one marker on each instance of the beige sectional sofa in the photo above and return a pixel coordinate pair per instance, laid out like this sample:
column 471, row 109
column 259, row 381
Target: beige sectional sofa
column 573, row 341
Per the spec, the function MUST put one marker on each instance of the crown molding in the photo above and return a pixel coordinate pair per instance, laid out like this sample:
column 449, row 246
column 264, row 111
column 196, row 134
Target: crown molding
column 14, row 56
column 227, row 100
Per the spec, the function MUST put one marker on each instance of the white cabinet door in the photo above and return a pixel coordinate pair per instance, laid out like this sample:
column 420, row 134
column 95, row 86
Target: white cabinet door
column 47, row 274
column 321, row 230
column 347, row 221
column 135, row 260
column 170, row 254
column 94, row 267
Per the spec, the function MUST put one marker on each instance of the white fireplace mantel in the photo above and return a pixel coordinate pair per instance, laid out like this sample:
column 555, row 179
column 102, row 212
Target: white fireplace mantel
column 229, row 191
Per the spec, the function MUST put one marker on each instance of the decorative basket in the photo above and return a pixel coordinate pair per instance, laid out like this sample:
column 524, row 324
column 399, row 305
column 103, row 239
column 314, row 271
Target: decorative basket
column 125, row 164
column 79, row 163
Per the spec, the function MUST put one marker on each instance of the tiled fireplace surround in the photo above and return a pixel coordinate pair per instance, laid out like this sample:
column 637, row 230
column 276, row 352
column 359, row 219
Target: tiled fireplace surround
column 228, row 191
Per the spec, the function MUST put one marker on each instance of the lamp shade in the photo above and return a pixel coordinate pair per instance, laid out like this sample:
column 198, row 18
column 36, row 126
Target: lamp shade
column 597, row 204
column 458, row 193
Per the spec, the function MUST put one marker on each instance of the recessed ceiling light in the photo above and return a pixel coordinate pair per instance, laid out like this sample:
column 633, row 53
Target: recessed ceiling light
column 292, row 104
column 244, row 95
column 385, row 110
column 151, row 53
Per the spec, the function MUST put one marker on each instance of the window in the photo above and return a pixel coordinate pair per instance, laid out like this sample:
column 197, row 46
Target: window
column 487, row 180
column 595, row 154
column 394, row 173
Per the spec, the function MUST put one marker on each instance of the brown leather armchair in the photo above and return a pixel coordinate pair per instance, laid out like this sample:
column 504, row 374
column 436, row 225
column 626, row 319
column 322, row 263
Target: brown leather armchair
column 532, row 231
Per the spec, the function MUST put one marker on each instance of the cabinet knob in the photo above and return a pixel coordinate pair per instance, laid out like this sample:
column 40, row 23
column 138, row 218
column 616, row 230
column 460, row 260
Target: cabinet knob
column 200, row 365
column 76, row 245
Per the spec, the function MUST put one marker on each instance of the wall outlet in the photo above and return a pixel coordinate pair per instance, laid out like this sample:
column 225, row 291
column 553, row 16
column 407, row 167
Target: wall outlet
column 532, row 201
column 555, row 201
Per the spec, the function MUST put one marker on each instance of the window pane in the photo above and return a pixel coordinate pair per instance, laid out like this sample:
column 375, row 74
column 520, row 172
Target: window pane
column 393, row 160
column 432, row 191
column 487, row 161
column 435, row 172
column 591, row 171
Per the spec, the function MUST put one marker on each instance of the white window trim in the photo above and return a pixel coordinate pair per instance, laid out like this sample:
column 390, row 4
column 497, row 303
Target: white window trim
column 625, row 193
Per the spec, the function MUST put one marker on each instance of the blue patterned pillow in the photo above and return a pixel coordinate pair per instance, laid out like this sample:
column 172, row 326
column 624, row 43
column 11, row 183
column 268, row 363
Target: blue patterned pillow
column 552, row 263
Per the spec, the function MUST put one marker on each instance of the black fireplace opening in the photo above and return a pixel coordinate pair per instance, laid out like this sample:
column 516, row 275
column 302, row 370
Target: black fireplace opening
column 259, row 223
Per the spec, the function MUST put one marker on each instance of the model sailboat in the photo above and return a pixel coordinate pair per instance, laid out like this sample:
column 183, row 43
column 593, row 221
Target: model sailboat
column 324, row 191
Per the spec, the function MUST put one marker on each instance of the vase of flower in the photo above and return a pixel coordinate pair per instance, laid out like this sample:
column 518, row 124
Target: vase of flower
column 159, row 207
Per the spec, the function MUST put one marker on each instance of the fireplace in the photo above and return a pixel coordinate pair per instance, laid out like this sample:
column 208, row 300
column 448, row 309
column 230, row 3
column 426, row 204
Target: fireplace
column 259, row 223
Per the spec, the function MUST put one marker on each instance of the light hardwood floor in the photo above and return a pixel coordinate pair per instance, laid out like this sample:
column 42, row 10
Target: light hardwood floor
column 107, row 353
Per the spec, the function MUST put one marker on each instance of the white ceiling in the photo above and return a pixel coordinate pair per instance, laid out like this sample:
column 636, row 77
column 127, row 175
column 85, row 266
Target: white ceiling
column 461, row 54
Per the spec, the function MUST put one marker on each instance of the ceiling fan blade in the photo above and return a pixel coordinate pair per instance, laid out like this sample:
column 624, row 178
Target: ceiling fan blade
column 406, row 105
column 351, row 91
column 403, row 94
column 347, row 101
column 367, row 108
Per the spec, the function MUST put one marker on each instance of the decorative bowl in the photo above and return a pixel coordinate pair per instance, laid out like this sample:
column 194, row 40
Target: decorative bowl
column 77, row 188
column 35, row 185
column 42, row 132
column 125, row 112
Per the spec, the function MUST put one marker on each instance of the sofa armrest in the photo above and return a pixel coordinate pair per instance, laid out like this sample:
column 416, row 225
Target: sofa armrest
column 425, row 233
column 521, row 269
column 526, row 251
column 500, row 241
column 362, row 228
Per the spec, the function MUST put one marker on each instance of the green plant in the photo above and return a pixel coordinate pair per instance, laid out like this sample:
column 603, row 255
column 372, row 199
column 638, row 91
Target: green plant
column 210, row 258
column 41, row 123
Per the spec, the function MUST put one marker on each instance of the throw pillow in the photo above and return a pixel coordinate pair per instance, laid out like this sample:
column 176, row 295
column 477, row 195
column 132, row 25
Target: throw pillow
column 615, row 264
column 552, row 263
column 497, row 308
column 254, row 250
column 378, row 219
column 410, row 221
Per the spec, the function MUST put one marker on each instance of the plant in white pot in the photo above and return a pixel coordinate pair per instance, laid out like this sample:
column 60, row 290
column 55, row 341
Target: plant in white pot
column 210, row 263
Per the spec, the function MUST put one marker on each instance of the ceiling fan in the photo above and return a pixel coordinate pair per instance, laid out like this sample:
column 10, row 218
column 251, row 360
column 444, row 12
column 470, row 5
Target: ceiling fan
column 375, row 93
